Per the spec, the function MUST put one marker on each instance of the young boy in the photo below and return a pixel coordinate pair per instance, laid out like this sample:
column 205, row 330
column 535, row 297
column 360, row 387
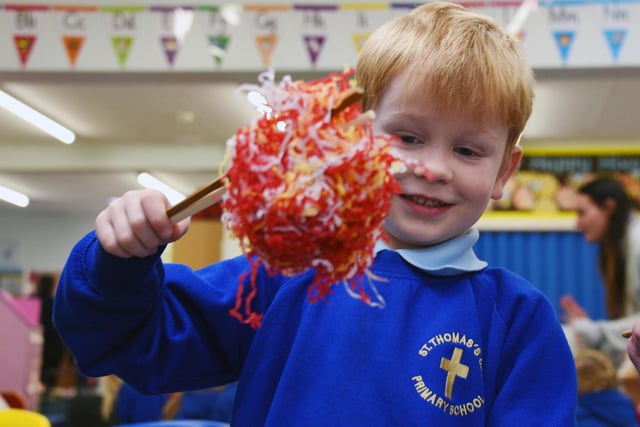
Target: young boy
column 458, row 343
column 601, row 402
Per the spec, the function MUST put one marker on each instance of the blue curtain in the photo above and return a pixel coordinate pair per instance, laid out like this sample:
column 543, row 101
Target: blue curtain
column 556, row 262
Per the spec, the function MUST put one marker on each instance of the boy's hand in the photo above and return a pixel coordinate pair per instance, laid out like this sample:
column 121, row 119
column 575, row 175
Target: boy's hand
column 136, row 224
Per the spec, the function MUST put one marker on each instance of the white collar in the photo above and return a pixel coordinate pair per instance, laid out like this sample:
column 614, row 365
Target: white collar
column 449, row 258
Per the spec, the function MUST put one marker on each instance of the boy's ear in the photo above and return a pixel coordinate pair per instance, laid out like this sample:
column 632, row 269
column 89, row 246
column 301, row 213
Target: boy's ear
column 509, row 167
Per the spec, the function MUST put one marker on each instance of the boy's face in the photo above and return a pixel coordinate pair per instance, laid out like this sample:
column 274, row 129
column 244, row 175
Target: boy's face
column 462, row 163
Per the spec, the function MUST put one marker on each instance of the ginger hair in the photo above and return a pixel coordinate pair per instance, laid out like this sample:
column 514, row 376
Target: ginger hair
column 464, row 60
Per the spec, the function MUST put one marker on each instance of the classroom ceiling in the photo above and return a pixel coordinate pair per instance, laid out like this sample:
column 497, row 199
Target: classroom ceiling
column 175, row 126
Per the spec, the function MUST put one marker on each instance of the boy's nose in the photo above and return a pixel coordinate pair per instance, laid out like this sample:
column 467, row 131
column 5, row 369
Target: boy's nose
column 433, row 167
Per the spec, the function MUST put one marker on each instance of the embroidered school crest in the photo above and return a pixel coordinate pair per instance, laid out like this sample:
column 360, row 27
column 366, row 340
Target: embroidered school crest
column 453, row 360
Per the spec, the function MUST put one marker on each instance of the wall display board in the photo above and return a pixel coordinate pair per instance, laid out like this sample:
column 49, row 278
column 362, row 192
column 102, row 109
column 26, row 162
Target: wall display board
column 546, row 183
column 293, row 37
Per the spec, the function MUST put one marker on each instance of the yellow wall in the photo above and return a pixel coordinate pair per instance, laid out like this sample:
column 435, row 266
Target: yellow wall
column 201, row 245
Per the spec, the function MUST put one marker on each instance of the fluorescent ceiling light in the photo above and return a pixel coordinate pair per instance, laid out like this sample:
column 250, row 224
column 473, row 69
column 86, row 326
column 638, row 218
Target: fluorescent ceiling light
column 13, row 197
column 149, row 181
column 37, row 119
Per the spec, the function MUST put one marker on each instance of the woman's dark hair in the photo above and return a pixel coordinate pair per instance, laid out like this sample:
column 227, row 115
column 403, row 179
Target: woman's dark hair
column 611, row 254
column 45, row 285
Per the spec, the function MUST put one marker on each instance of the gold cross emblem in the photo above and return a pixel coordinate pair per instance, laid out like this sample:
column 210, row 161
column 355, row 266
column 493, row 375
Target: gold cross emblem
column 454, row 369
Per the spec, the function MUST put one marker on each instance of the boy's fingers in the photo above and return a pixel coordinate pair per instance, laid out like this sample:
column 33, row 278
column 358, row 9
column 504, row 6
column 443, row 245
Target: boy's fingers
column 137, row 224
column 108, row 241
column 138, row 235
column 180, row 229
column 154, row 208
column 127, row 242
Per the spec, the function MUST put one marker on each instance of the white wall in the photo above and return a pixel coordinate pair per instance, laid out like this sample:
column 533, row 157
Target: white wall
column 43, row 242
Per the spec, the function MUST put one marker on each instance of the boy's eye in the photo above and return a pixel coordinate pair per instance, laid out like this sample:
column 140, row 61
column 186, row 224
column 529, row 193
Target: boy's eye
column 465, row 151
column 408, row 139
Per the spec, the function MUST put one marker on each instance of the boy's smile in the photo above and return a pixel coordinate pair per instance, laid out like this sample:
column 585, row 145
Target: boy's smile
column 454, row 168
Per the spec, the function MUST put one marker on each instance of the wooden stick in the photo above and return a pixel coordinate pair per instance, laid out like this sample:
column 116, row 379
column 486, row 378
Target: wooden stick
column 207, row 196
column 367, row 116
column 349, row 98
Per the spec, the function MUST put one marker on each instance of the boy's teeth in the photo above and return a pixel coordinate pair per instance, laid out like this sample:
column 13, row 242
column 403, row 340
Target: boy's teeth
column 425, row 202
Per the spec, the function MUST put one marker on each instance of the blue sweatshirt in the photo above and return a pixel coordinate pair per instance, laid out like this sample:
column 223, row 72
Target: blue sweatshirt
column 456, row 344
column 606, row 408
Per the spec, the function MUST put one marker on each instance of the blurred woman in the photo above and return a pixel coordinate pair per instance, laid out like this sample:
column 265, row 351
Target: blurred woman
column 607, row 216
column 52, row 347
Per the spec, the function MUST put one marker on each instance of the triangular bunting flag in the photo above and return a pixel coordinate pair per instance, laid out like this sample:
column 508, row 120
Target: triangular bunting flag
column 615, row 39
column 73, row 44
column 314, row 46
column 122, row 46
column 359, row 39
column 564, row 39
column 24, row 44
column 266, row 44
column 218, row 47
column 170, row 46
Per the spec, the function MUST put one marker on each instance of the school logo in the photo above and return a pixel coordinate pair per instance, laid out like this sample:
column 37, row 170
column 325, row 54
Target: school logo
column 455, row 357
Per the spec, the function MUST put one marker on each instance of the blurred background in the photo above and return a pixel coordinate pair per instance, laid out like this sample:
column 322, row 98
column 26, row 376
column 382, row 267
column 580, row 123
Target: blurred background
column 153, row 87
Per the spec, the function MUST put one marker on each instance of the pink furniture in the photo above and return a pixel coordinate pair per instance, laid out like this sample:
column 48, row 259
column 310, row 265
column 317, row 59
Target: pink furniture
column 20, row 346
